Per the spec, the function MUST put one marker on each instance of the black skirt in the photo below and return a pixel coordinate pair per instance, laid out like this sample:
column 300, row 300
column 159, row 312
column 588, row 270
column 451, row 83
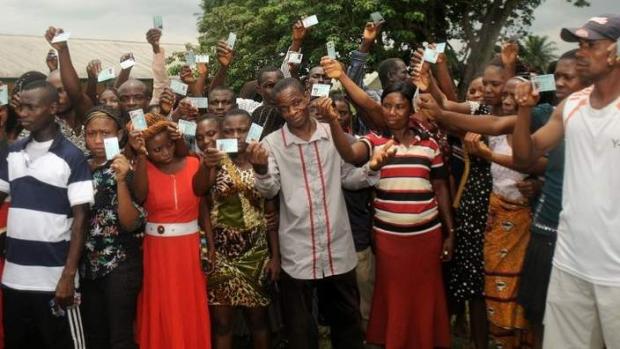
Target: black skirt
column 535, row 275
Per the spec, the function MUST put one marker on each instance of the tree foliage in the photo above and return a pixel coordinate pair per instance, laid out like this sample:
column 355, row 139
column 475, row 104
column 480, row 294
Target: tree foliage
column 538, row 52
column 264, row 29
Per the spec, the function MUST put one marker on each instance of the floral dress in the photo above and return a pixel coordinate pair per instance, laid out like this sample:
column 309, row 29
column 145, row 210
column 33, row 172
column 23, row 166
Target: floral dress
column 239, row 229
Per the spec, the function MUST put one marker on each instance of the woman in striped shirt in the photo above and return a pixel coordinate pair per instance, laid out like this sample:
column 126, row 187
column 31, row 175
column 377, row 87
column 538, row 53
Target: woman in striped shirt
column 412, row 227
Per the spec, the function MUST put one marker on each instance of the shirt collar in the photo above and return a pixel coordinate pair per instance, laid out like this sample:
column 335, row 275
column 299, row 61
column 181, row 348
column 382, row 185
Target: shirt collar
column 290, row 139
column 58, row 136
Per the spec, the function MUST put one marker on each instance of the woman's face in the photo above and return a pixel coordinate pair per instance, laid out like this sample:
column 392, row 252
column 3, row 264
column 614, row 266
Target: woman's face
column 509, row 105
column 237, row 127
column 160, row 148
column 493, row 81
column 396, row 110
column 475, row 91
column 97, row 130
column 110, row 99
column 344, row 113
column 207, row 133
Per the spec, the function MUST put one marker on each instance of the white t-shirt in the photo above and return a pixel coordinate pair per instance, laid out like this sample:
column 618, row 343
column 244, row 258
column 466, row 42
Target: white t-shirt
column 588, row 244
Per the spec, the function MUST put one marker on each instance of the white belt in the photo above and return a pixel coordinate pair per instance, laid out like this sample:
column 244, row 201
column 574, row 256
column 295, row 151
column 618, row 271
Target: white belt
column 171, row 229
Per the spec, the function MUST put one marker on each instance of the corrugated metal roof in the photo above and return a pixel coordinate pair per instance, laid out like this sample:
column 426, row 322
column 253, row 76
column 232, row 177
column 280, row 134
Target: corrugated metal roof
column 21, row 53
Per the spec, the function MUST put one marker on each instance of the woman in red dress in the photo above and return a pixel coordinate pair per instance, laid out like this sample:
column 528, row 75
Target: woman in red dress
column 172, row 307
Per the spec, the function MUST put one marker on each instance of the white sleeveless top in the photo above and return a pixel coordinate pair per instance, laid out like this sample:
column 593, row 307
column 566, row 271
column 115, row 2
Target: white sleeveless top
column 505, row 179
column 588, row 244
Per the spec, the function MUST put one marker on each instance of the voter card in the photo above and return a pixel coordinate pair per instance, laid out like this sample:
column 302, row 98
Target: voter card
column 202, row 58
column 544, row 83
column 227, row 145
column 61, row 37
column 158, row 22
column 295, row 58
column 331, row 49
column 440, row 47
column 190, row 58
column 111, row 147
column 178, row 87
column 4, row 95
column 137, row 119
column 232, row 38
column 310, row 21
column 320, row 90
column 106, row 74
column 199, row 102
column 377, row 17
column 128, row 63
column 430, row 55
column 187, row 127
column 254, row 134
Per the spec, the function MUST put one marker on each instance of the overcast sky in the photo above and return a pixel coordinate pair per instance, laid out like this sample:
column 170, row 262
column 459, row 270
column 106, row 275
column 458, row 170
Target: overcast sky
column 129, row 19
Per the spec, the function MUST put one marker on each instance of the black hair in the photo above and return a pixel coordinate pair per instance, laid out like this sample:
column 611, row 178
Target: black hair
column 235, row 112
column 266, row 70
column 104, row 109
column 404, row 88
column 51, row 95
column 520, row 68
column 223, row 88
column 287, row 83
column 572, row 54
column 339, row 97
column 385, row 68
column 210, row 117
column 11, row 123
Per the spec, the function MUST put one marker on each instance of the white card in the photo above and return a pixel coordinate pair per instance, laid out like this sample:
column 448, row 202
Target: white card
column 106, row 74
column 228, row 145
column 544, row 83
column 377, row 18
column 4, row 95
column 320, row 90
column 440, row 47
column 178, row 87
column 111, row 147
column 295, row 58
column 199, row 102
column 430, row 55
column 187, row 128
column 202, row 58
column 190, row 58
column 331, row 49
column 254, row 134
column 232, row 38
column 62, row 37
column 310, row 21
column 158, row 22
column 128, row 63
column 137, row 120
column 415, row 100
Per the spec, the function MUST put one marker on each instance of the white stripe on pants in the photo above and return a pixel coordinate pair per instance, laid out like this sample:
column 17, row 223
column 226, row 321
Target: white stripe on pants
column 75, row 325
column 581, row 315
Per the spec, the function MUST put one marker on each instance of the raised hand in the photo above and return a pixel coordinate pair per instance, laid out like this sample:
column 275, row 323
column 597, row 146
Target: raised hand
column 125, row 57
column 186, row 110
column 166, row 101
column 530, row 188
column 420, row 74
column 120, row 166
column 152, row 37
column 258, row 157
column 525, row 95
column 382, row 156
column 370, row 31
column 429, row 106
column 325, row 107
column 333, row 68
column 93, row 68
column 173, row 131
column 299, row 31
column 510, row 51
column 52, row 60
column 473, row 144
column 49, row 36
column 187, row 75
column 225, row 54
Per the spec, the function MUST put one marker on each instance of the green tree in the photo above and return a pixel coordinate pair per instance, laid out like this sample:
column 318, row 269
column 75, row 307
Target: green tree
column 263, row 29
column 538, row 52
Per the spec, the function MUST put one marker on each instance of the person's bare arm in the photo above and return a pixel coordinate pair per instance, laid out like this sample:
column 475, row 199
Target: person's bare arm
column 444, row 202
column 225, row 56
column 204, row 178
column 92, row 70
column 65, row 289
column 128, row 214
column 527, row 148
column 125, row 73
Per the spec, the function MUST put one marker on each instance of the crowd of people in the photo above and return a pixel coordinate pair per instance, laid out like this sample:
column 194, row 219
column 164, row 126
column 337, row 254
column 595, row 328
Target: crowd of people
column 394, row 217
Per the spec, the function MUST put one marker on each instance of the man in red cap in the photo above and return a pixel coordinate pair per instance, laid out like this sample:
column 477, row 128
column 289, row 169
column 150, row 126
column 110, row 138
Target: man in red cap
column 583, row 300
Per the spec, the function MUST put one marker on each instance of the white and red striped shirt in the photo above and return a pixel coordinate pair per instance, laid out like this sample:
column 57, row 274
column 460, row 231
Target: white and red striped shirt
column 405, row 201
column 315, row 235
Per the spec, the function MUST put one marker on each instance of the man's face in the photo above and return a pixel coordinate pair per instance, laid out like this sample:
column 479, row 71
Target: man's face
column 64, row 103
column 268, row 81
column 567, row 80
column 220, row 102
column 293, row 106
column 399, row 72
column 592, row 59
column 132, row 96
column 317, row 76
column 237, row 127
column 35, row 113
